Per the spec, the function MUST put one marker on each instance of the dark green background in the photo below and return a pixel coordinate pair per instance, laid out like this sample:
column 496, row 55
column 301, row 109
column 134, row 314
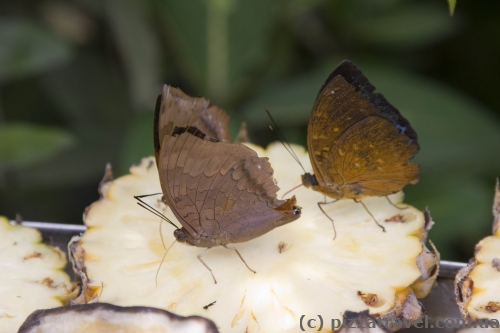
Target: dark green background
column 78, row 81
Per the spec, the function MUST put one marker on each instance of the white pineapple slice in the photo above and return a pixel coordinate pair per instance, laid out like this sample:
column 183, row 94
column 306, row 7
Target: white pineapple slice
column 477, row 286
column 301, row 270
column 32, row 275
column 108, row 318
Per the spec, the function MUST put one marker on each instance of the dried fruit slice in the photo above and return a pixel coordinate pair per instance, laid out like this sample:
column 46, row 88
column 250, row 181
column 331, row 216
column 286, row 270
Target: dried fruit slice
column 477, row 286
column 107, row 318
column 300, row 269
column 31, row 275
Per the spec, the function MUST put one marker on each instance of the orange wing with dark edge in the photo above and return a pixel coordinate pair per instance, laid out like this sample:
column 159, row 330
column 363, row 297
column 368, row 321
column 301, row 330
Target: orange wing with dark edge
column 372, row 159
column 344, row 103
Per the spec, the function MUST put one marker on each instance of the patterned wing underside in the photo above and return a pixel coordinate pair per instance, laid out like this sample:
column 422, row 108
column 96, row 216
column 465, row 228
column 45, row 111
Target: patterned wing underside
column 180, row 110
column 371, row 158
column 331, row 117
column 351, row 130
column 214, row 186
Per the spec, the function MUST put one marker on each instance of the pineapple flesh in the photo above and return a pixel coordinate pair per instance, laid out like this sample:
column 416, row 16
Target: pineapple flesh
column 32, row 275
column 477, row 286
column 301, row 270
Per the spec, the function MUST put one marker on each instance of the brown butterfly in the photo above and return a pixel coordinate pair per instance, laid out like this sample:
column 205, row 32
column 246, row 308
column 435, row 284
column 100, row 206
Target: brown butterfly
column 220, row 192
column 179, row 109
column 359, row 144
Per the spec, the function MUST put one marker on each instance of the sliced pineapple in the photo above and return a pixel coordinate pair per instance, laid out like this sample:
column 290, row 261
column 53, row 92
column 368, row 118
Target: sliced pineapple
column 477, row 286
column 301, row 270
column 31, row 275
column 107, row 318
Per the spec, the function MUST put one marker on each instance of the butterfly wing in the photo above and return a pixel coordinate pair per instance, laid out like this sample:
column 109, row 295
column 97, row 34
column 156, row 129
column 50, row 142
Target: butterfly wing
column 372, row 159
column 343, row 104
column 219, row 190
column 176, row 109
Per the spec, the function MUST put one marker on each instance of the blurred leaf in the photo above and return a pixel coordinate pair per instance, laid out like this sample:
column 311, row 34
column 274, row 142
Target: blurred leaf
column 97, row 109
column 289, row 101
column 219, row 45
column 138, row 142
column 28, row 49
column 26, row 144
column 410, row 25
column 295, row 8
column 96, row 105
column 185, row 24
column 452, row 4
column 248, row 46
column 81, row 166
column 139, row 49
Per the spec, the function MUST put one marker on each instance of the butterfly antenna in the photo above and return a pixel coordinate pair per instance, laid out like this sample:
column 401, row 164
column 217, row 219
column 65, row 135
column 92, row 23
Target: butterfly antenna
column 161, row 262
column 151, row 209
column 161, row 234
column 282, row 139
column 296, row 187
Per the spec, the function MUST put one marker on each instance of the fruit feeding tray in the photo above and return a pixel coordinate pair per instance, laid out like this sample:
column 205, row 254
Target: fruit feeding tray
column 440, row 304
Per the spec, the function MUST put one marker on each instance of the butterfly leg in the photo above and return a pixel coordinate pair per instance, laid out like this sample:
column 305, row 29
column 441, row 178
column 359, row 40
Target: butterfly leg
column 239, row 255
column 368, row 211
column 201, row 260
column 393, row 204
column 321, row 208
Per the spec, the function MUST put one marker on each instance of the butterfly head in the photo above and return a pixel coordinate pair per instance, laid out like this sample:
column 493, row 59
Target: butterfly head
column 332, row 190
column 309, row 180
column 183, row 236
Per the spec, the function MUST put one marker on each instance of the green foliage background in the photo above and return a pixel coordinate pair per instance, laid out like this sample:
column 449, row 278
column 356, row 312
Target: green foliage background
column 78, row 81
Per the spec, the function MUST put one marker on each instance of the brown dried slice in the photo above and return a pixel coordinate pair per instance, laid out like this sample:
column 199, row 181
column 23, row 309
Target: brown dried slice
column 108, row 318
column 477, row 286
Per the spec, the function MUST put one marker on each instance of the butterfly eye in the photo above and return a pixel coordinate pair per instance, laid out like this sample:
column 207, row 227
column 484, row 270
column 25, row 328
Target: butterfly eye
column 179, row 235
